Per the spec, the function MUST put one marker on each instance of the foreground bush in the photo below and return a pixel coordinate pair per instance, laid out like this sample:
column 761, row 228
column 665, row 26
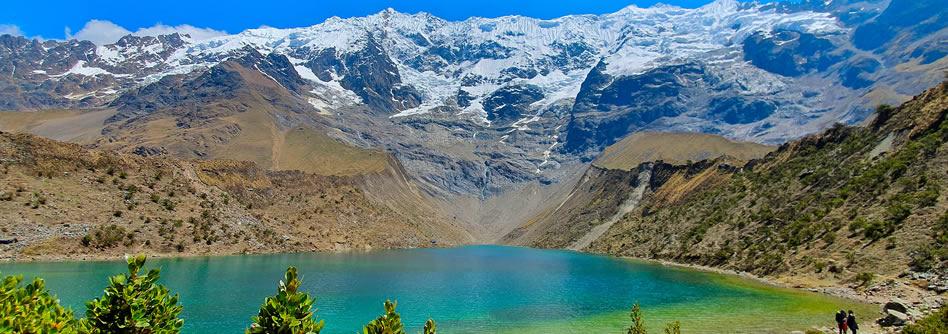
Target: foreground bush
column 133, row 304
column 391, row 323
column 638, row 324
column 31, row 309
column 289, row 312
column 935, row 323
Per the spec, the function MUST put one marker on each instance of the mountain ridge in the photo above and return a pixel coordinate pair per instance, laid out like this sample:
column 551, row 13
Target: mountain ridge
column 509, row 100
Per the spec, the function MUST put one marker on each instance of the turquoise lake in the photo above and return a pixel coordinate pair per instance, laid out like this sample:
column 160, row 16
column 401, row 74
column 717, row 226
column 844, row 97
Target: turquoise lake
column 476, row 289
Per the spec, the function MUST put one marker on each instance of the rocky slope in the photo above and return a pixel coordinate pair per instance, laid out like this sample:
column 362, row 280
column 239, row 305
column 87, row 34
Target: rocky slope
column 835, row 209
column 483, row 106
column 63, row 201
column 617, row 181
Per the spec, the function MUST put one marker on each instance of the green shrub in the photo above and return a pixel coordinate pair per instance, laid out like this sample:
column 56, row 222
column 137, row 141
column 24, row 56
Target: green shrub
column 857, row 225
column 430, row 327
column 673, row 328
column 31, row 309
column 875, row 230
column 865, row 278
column 289, row 312
column 106, row 236
column 391, row 323
column 897, row 212
column 935, row 323
column 638, row 324
column 133, row 304
column 388, row 323
column 927, row 257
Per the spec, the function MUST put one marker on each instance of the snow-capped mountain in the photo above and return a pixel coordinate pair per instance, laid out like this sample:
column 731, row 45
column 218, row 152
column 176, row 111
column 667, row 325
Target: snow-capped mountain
column 471, row 107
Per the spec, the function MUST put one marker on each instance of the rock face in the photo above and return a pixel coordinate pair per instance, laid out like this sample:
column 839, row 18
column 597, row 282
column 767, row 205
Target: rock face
column 477, row 106
column 602, row 116
column 895, row 306
column 789, row 53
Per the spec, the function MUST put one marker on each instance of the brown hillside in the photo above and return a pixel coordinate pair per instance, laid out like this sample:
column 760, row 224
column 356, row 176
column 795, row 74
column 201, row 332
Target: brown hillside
column 675, row 148
column 54, row 194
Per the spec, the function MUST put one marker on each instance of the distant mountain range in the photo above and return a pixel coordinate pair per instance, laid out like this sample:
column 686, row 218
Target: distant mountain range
column 481, row 106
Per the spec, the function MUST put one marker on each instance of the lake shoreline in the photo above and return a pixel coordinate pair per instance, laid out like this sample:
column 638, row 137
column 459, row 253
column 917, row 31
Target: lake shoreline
column 120, row 256
column 520, row 281
column 918, row 300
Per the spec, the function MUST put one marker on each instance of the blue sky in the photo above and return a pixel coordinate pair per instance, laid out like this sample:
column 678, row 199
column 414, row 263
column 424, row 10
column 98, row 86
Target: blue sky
column 58, row 19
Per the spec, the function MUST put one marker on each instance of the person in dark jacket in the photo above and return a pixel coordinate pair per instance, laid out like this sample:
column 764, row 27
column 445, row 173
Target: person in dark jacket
column 851, row 322
column 841, row 321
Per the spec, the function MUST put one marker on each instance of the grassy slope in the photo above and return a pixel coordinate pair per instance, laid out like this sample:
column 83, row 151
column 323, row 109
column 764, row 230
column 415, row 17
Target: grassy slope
column 675, row 148
column 78, row 126
column 821, row 209
column 52, row 194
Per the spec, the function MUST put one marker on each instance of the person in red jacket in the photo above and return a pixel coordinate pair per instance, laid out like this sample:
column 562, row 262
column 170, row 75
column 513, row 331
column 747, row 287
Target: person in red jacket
column 841, row 321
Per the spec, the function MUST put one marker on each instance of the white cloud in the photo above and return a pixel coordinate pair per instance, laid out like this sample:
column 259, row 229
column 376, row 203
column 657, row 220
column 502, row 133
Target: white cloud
column 99, row 32
column 103, row 32
column 195, row 32
column 10, row 29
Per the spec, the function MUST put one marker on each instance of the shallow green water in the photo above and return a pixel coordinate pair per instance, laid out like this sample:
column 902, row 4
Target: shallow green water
column 478, row 289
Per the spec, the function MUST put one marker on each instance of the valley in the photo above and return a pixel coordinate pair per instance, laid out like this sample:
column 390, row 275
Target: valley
column 802, row 144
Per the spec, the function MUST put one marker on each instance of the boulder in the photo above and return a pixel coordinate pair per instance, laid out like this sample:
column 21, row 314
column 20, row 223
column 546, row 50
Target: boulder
column 893, row 318
column 895, row 305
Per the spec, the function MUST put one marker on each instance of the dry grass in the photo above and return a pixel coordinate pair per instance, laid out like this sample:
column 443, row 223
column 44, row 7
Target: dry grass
column 675, row 148
column 61, row 192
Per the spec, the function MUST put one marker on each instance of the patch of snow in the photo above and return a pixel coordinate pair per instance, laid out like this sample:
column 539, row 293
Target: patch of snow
column 306, row 73
column 321, row 106
column 80, row 69
column 547, row 154
column 523, row 124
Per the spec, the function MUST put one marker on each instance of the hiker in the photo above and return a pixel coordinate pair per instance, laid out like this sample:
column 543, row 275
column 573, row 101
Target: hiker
column 841, row 321
column 851, row 322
